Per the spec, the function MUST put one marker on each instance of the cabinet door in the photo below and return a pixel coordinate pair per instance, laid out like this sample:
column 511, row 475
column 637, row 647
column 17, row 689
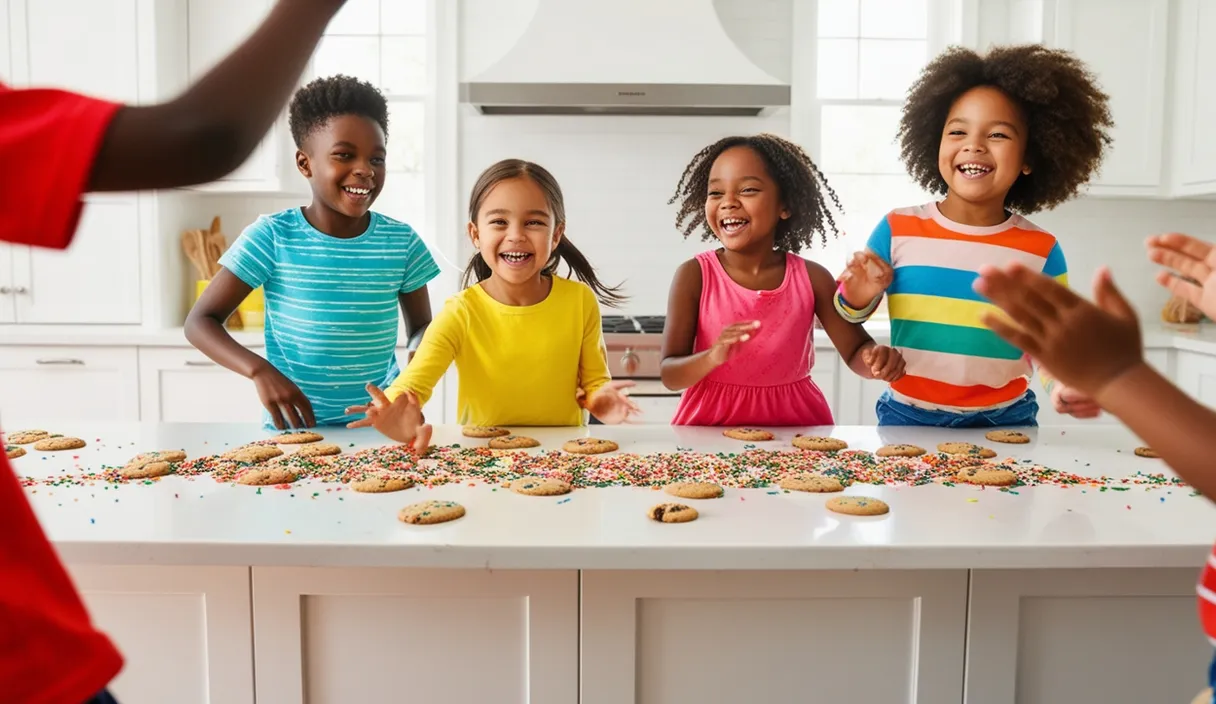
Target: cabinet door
column 215, row 28
column 1194, row 101
column 1197, row 377
column 96, row 280
column 1127, row 50
column 90, row 47
column 8, row 299
column 180, row 385
column 43, row 384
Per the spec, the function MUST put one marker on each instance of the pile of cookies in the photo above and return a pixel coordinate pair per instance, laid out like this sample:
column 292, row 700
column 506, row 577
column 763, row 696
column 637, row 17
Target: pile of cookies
column 42, row 442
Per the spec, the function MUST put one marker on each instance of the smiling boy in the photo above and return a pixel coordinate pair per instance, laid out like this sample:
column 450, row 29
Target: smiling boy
column 333, row 272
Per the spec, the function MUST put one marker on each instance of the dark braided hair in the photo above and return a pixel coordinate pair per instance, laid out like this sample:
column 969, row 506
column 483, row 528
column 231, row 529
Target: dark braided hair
column 326, row 98
column 802, row 187
column 1067, row 116
column 576, row 261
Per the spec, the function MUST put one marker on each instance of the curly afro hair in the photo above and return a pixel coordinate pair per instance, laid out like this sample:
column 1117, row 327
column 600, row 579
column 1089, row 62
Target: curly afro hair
column 1067, row 115
column 802, row 186
column 326, row 98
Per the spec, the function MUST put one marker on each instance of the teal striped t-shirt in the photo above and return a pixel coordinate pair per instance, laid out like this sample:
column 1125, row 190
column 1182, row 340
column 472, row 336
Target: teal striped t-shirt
column 331, row 303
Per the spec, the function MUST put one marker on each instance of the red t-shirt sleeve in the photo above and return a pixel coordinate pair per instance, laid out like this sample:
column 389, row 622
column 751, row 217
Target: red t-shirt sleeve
column 48, row 141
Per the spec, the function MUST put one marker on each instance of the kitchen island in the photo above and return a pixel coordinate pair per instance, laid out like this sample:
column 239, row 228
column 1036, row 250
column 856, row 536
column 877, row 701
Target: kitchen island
column 310, row 592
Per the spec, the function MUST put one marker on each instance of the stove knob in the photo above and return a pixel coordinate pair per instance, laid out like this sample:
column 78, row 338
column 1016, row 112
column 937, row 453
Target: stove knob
column 630, row 361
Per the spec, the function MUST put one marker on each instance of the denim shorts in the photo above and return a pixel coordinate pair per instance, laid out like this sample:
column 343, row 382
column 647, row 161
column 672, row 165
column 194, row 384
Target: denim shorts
column 1020, row 414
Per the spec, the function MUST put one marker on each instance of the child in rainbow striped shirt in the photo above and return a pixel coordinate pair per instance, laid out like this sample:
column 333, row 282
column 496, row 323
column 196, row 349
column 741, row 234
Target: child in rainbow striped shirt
column 1015, row 131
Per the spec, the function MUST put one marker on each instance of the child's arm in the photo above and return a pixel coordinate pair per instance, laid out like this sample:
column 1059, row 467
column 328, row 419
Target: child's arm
column 416, row 312
column 1107, row 362
column 602, row 396
column 681, row 368
column 866, row 277
column 211, row 129
column 1064, row 399
column 866, row 358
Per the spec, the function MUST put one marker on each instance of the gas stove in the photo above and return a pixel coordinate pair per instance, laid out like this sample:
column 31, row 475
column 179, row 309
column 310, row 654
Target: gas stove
column 634, row 345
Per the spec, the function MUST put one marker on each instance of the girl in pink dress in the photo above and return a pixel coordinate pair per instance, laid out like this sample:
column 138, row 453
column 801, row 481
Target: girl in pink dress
column 740, row 319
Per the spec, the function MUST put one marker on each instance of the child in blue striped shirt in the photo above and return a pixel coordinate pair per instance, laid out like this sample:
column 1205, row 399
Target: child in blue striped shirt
column 333, row 272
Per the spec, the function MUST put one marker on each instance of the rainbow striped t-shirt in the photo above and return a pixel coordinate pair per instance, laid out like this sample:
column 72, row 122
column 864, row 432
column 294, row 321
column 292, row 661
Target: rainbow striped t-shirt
column 954, row 362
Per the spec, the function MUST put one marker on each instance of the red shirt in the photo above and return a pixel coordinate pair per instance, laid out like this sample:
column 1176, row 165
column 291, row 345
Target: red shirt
column 50, row 653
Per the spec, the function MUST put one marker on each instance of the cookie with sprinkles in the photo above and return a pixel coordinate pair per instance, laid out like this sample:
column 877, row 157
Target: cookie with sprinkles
column 12, row 452
column 513, row 442
column 298, row 438
column 857, row 506
column 672, row 513
column 966, row 448
column 267, row 476
column 381, row 484
column 748, row 434
column 695, row 490
column 252, row 454
column 25, row 437
column 814, row 483
column 1146, row 452
column 900, row 450
column 430, row 512
column 319, row 449
column 1011, row 437
column 483, row 431
column 820, row 444
column 589, row 446
column 540, row 486
column 58, row 443
column 986, row 475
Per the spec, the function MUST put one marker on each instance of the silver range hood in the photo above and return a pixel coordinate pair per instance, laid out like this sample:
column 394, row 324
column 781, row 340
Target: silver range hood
column 625, row 57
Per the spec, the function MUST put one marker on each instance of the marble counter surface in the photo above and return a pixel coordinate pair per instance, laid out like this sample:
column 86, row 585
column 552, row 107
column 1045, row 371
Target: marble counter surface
column 196, row 520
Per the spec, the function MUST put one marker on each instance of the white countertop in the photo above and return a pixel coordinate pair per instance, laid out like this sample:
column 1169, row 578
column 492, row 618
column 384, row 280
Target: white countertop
column 182, row 520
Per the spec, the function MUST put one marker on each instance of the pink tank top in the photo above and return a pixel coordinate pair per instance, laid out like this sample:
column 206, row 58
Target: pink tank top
column 767, row 380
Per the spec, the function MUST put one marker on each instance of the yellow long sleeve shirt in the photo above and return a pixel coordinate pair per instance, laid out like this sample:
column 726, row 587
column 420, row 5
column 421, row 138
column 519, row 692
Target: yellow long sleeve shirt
column 518, row 365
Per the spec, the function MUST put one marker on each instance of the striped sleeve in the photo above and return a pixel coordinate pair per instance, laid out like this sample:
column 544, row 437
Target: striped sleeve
column 252, row 257
column 1055, row 266
column 880, row 244
column 420, row 268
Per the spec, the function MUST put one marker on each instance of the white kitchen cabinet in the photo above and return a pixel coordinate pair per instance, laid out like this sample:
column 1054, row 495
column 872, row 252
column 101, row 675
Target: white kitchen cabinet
column 181, row 385
column 185, row 632
column 1196, row 375
column 95, row 281
column 1126, row 45
column 6, row 50
column 71, row 383
column 1084, row 635
column 332, row 636
column 825, row 376
column 8, row 295
column 1193, row 100
column 660, row 636
column 90, row 47
column 214, row 29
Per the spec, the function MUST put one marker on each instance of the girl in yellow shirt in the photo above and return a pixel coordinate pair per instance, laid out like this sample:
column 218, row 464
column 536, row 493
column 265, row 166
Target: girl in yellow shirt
column 527, row 343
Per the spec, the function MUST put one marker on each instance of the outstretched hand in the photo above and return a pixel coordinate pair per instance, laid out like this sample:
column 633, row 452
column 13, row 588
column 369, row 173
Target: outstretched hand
column 611, row 405
column 1191, row 258
column 1085, row 345
column 729, row 338
column 399, row 420
column 865, row 278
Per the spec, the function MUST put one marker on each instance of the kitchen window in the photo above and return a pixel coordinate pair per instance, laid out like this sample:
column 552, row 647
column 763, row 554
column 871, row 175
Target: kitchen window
column 386, row 43
column 868, row 53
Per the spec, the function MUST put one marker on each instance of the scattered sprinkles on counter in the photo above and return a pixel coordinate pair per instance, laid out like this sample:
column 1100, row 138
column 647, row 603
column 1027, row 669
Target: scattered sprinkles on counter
column 750, row 469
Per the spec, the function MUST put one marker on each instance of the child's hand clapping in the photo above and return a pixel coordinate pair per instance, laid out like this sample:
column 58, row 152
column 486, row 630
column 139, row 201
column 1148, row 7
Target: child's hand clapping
column 731, row 336
column 865, row 278
column 611, row 405
column 399, row 420
column 885, row 363
column 1191, row 258
column 1086, row 346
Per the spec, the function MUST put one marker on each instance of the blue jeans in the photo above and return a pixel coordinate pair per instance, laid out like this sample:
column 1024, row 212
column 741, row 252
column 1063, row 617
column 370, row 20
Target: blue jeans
column 103, row 698
column 1021, row 413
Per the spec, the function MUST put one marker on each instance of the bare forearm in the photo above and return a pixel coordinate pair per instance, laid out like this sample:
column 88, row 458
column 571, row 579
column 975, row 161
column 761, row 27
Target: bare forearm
column 211, row 338
column 857, row 362
column 679, row 373
column 1172, row 423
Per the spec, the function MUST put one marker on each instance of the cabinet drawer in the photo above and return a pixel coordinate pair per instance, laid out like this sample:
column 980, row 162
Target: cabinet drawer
column 68, row 383
column 183, row 386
